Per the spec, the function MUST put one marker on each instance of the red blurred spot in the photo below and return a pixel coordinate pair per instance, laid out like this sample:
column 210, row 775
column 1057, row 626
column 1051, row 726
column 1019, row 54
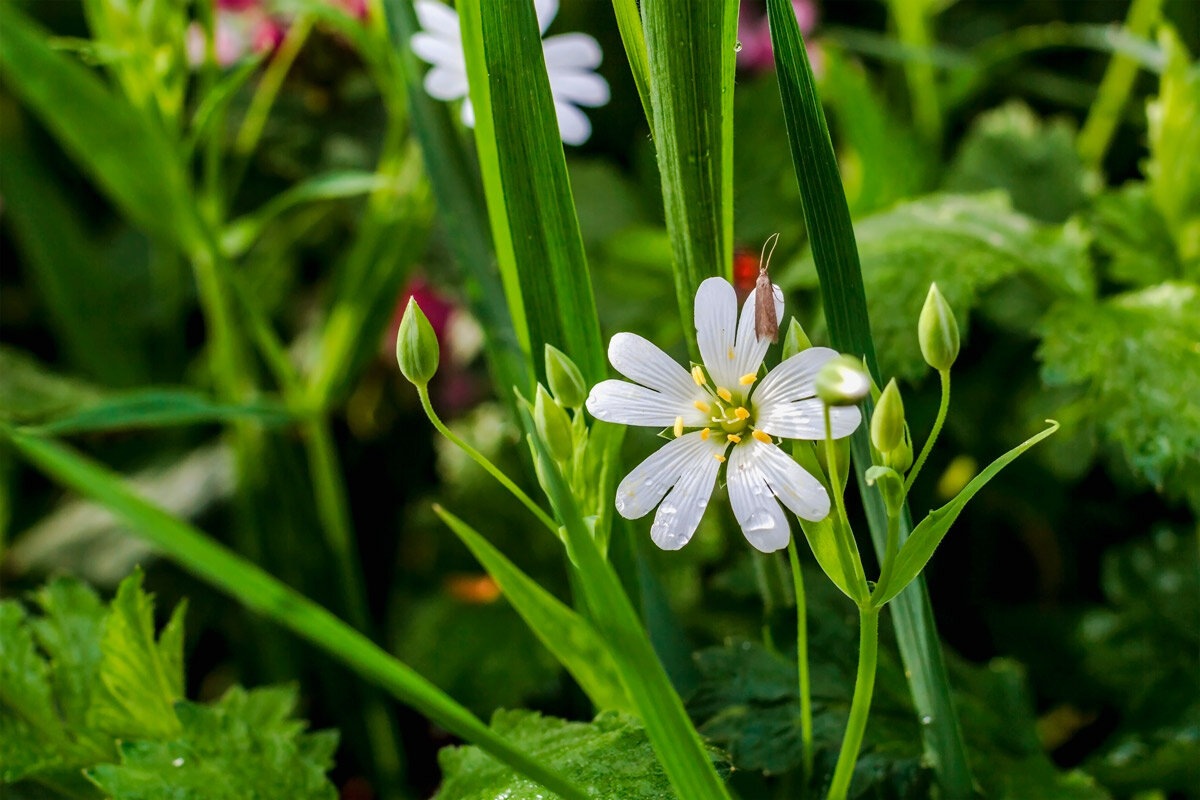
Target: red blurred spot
column 475, row 589
column 745, row 270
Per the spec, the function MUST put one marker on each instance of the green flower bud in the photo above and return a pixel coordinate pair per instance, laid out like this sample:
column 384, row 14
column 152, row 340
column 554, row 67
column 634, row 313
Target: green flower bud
column 565, row 379
column 795, row 340
column 891, row 486
column 553, row 425
column 842, row 382
column 900, row 458
column 416, row 345
column 937, row 331
column 887, row 423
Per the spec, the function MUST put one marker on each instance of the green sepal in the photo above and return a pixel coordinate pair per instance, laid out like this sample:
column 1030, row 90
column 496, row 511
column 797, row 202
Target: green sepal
column 565, row 379
column 416, row 345
column 795, row 341
column 937, row 331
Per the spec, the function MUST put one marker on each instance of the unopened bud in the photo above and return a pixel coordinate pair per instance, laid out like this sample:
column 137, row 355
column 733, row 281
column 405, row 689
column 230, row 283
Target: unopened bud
column 937, row 331
column 842, row 381
column 565, row 379
column 795, row 340
column 553, row 425
column 900, row 458
column 416, row 345
column 887, row 423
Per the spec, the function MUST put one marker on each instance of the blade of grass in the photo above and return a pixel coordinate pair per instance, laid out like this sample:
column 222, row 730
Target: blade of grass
column 675, row 741
column 629, row 24
column 691, row 50
column 158, row 408
column 567, row 635
column 832, row 236
column 534, row 226
column 266, row 595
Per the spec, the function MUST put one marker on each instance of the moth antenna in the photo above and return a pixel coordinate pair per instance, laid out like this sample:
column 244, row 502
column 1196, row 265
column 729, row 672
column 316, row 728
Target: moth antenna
column 764, row 258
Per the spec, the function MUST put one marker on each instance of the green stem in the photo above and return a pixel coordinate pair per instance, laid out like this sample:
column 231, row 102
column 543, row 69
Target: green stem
column 860, row 706
column 933, row 434
column 480, row 459
column 1105, row 112
column 806, row 723
column 889, row 558
column 261, row 592
column 847, row 551
column 912, row 27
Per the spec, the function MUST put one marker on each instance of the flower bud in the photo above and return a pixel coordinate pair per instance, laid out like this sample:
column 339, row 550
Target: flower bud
column 565, row 379
column 937, row 331
column 842, row 381
column 416, row 345
column 795, row 340
column 900, row 458
column 553, row 425
column 891, row 486
column 887, row 423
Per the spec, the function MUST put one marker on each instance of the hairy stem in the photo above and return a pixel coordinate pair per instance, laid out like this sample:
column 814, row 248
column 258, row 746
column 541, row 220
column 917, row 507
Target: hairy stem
column 933, row 434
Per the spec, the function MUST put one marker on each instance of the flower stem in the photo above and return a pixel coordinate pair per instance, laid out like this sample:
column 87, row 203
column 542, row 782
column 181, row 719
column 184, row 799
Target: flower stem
column 806, row 723
column 933, row 434
column 480, row 459
column 864, row 687
column 889, row 558
column 847, row 550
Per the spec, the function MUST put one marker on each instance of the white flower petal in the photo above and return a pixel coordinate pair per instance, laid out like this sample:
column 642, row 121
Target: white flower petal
column 578, row 87
column 438, row 19
column 446, row 83
column 437, row 51
column 805, row 419
column 680, row 514
column 757, row 512
column 573, row 125
column 749, row 349
column 546, row 11
column 795, row 488
column 642, row 361
column 793, row 379
column 572, row 51
column 629, row 404
column 648, row 483
column 716, row 326
column 468, row 113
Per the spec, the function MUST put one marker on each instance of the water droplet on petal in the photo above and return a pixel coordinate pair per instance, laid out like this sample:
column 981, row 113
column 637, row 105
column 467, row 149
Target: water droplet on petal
column 926, row 720
column 760, row 521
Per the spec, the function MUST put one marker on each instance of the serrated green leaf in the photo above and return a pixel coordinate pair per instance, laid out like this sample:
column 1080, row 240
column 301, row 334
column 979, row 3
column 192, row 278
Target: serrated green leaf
column 1135, row 357
column 1036, row 162
column 141, row 674
column 691, row 48
column 245, row 745
column 572, row 640
column 924, row 539
column 1131, row 237
column 32, row 738
column 611, row 756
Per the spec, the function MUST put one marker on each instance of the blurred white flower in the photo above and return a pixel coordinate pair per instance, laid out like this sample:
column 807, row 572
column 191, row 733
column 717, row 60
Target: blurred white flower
column 735, row 415
column 571, row 60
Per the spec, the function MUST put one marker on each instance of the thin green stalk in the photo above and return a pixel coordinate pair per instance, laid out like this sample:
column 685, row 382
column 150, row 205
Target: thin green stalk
column 944, row 374
column 806, row 723
column 480, row 459
column 889, row 557
column 629, row 23
column 860, row 706
column 266, row 595
column 912, row 26
column 841, row 523
column 1114, row 89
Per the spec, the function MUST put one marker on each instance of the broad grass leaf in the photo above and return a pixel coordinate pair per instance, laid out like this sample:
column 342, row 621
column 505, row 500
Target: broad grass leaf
column 155, row 408
column 31, row 392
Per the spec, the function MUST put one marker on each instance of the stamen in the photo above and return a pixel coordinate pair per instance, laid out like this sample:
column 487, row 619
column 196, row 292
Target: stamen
column 698, row 375
column 741, row 413
column 702, row 407
column 762, row 437
column 704, row 434
column 748, row 379
column 719, row 457
column 733, row 437
column 724, row 394
column 730, row 352
column 678, row 427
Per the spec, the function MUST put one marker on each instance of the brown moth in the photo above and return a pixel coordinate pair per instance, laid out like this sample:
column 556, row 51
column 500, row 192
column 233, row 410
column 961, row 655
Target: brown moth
column 766, row 323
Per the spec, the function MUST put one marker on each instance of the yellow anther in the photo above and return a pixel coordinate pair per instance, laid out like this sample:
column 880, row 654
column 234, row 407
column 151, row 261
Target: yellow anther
column 724, row 394
column 704, row 434
column 762, row 437
column 741, row 413
column 698, row 376
column 748, row 379
column 733, row 437
column 703, row 407
column 719, row 457
column 730, row 352
column 678, row 427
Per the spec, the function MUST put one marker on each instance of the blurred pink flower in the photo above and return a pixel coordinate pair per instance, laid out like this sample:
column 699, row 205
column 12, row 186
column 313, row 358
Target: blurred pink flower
column 455, row 387
column 754, row 35
column 245, row 26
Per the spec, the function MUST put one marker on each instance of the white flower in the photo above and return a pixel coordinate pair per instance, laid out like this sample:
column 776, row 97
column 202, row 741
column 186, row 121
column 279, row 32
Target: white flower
column 735, row 416
column 571, row 59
